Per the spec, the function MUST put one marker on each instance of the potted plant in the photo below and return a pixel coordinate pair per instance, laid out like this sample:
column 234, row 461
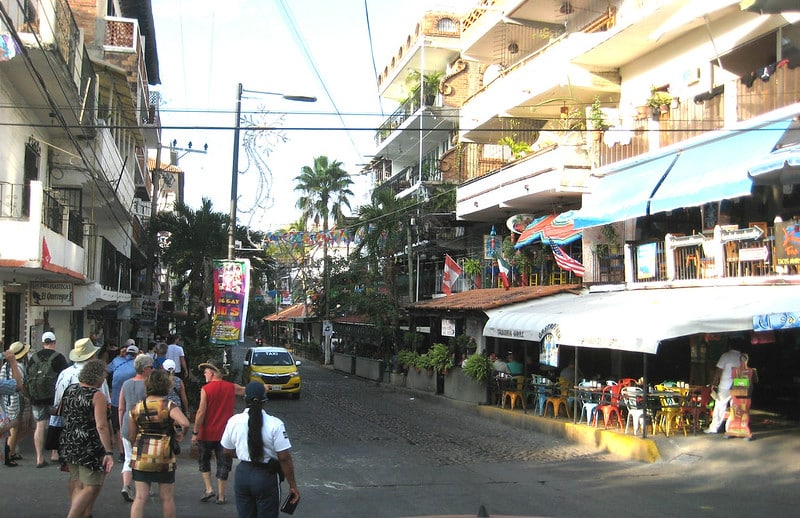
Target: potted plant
column 430, row 85
column 478, row 367
column 473, row 268
column 658, row 101
column 407, row 358
column 518, row 148
column 439, row 357
column 597, row 119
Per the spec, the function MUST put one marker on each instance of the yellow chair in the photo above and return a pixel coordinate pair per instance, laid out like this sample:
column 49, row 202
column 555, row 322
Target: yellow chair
column 559, row 277
column 558, row 398
column 513, row 392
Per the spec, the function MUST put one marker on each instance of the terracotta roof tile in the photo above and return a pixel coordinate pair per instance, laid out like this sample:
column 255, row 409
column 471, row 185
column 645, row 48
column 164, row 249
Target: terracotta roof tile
column 489, row 298
column 294, row 311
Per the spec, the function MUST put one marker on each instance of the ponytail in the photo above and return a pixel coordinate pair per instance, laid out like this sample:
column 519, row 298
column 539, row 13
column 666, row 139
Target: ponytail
column 255, row 441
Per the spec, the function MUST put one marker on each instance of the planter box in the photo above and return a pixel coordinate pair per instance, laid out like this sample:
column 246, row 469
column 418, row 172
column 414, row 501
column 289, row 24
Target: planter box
column 421, row 380
column 344, row 362
column 397, row 379
column 369, row 368
column 461, row 387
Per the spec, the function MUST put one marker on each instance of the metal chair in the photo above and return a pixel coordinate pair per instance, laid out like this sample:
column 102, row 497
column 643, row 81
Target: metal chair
column 513, row 392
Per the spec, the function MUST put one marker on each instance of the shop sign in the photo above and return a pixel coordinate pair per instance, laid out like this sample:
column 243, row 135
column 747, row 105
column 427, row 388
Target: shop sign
column 52, row 293
column 787, row 243
column 448, row 327
column 774, row 321
column 548, row 349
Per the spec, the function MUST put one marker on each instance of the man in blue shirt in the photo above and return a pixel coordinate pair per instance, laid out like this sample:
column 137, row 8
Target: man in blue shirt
column 121, row 370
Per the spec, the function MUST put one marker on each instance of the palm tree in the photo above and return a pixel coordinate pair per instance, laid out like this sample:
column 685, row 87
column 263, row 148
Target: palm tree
column 325, row 190
column 193, row 240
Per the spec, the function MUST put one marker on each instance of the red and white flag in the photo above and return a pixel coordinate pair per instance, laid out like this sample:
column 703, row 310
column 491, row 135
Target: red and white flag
column 505, row 272
column 46, row 258
column 565, row 262
column 451, row 273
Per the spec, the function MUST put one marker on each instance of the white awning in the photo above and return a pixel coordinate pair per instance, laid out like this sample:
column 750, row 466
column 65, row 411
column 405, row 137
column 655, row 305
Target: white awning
column 638, row 320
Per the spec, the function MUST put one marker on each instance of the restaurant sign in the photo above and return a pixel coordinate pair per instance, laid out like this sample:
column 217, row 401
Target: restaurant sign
column 448, row 327
column 775, row 321
column 549, row 338
column 787, row 243
column 52, row 293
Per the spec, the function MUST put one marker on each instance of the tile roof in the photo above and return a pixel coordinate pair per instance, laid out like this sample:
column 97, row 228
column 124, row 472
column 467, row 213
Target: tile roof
column 292, row 312
column 489, row 298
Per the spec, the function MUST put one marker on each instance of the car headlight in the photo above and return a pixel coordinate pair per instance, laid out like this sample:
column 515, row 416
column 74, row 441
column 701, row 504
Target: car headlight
column 293, row 374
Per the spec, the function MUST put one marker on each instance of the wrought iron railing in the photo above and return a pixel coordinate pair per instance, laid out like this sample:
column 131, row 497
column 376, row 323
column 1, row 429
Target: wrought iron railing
column 52, row 213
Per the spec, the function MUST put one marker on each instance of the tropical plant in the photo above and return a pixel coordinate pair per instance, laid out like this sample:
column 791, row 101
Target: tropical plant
column 472, row 266
column 478, row 367
column 597, row 118
column 430, row 84
column 407, row 358
column 439, row 357
column 658, row 98
column 325, row 190
column 518, row 148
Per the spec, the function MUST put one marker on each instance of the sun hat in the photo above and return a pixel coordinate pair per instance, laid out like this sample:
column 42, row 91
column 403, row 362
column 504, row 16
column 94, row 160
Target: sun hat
column 19, row 349
column 215, row 366
column 83, row 350
column 168, row 365
column 48, row 337
column 254, row 391
column 132, row 349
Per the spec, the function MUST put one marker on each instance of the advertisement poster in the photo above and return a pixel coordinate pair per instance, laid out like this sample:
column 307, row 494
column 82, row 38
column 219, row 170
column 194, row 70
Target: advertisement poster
column 787, row 243
column 646, row 261
column 231, row 290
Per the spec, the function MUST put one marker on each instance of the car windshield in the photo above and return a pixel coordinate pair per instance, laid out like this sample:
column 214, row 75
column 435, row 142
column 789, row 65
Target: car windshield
column 272, row 358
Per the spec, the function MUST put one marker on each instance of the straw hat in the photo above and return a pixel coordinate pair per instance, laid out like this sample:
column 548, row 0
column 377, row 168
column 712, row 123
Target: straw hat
column 215, row 366
column 83, row 350
column 19, row 349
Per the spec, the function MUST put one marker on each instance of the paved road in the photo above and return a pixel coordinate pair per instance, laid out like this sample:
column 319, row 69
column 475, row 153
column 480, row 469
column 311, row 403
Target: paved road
column 366, row 450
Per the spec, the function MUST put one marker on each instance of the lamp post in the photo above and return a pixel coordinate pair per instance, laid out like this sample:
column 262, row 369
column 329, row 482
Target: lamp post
column 235, row 172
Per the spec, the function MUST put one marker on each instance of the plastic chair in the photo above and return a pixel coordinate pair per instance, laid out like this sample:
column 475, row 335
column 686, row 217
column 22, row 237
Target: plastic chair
column 669, row 414
column 627, row 382
column 633, row 399
column 588, row 401
column 513, row 392
column 609, row 405
column 537, row 394
column 558, row 398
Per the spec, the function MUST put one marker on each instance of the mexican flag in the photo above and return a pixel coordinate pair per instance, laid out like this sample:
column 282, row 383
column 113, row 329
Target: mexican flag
column 505, row 271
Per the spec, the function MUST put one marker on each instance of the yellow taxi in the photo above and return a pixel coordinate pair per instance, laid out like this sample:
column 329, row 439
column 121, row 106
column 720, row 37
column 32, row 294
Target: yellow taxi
column 273, row 366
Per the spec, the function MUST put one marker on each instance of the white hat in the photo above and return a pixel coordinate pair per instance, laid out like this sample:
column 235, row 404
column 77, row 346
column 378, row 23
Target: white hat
column 132, row 349
column 130, row 341
column 83, row 350
column 168, row 365
column 48, row 337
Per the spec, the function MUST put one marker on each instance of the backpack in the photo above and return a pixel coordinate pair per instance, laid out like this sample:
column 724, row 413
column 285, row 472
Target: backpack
column 40, row 380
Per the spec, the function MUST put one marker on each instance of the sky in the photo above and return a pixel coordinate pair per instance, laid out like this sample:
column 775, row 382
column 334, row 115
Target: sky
column 207, row 47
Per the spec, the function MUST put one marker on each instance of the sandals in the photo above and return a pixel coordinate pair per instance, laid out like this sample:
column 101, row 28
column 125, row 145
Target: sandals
column 221, row 502
column 16, row 456
column 10, row 463
column 208, row 495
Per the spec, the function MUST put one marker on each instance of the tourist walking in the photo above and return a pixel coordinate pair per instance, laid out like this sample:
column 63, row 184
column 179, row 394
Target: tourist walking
column 14, row 404
column 85, row 443
column 152, row 424
column 217, row 400
column 130, row 394
column 44, row 368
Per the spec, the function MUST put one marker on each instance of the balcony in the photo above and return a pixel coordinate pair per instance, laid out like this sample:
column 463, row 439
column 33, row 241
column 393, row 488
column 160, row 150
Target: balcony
column 46, row 221
column 552, row 178
column 53, row 43
column 694, row 117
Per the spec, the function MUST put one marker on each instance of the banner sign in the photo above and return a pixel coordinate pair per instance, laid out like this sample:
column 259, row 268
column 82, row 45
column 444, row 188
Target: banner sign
column 52, row 293
column 787, row 243
column 231, row 290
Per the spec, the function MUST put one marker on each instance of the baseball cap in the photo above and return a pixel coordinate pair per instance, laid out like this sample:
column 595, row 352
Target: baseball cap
column 130, row 341
column 254, row 391
column 132, row 349
column 168, row 365
column 48, row 337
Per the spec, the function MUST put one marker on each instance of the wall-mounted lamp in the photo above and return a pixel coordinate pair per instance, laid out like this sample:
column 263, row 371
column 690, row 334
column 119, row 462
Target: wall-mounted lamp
column 564, row 111
column 526, row 187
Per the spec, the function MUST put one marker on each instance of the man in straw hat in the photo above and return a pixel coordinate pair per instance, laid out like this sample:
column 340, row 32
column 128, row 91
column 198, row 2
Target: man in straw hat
column 217, row 401
column 12, row 403
column 45, row 360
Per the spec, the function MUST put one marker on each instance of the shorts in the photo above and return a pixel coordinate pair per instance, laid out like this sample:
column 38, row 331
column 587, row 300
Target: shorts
column 161, row 477
column 41, row 412
column 115, row 419
column 224, row 462
column 85, row 475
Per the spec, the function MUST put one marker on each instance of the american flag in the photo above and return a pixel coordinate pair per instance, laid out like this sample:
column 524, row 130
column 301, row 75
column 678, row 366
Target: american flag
column 565, row 262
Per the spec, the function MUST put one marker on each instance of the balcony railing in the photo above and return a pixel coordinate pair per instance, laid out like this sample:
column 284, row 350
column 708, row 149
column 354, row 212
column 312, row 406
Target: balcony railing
column 53, row 213
column 14, row 200
column 401, row 114
column 692, row 118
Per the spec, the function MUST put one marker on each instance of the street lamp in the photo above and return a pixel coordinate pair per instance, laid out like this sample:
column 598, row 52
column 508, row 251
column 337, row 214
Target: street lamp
column 235, row 171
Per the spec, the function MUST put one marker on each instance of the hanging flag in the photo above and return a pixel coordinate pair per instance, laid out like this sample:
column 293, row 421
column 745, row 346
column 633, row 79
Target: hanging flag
column 8, row 47
column 451, row 273
column 565, row 262
column 505, row 271
column 46, row 257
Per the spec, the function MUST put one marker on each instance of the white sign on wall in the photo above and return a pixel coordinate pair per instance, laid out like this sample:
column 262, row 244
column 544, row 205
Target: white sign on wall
column 52, row 293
